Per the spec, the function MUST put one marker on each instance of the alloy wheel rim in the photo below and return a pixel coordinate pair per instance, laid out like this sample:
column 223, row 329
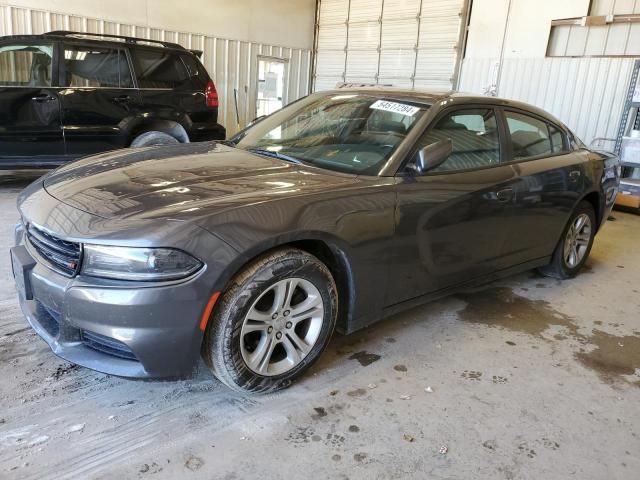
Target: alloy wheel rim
column 282, row 327
column 577, row 240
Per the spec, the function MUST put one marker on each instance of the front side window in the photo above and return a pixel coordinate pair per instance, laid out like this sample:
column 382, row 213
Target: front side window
column 26, row 65
column 96, row 67
column 349, row 133
column 474, row 137
column 158, row 69
column 529, row 136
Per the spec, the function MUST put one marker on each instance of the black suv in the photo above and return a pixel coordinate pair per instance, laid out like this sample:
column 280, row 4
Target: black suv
column 64, row 95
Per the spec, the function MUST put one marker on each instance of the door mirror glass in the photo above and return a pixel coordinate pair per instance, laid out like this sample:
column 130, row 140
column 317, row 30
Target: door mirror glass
column 434, row 155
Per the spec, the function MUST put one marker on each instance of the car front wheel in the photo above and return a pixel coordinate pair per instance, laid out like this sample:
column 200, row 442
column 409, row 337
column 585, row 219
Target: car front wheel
column 272, row 323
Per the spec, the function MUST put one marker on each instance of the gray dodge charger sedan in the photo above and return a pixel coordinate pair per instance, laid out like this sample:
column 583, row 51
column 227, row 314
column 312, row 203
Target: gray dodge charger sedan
column 336, row 211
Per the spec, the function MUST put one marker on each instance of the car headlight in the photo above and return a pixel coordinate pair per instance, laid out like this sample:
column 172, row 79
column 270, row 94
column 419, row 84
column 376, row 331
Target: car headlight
column 141, row 264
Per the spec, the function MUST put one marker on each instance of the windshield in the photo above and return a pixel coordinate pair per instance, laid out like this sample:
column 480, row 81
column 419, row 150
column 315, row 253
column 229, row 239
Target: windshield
column 349, row 133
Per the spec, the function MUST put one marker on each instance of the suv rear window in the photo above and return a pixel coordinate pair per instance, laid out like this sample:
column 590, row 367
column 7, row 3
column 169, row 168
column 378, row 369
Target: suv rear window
column 196, row 71
column 26, row 65
column 158, row 69
column 96, row 67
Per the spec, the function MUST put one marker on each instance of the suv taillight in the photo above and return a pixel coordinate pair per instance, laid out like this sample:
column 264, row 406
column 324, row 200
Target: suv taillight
column 211, row 95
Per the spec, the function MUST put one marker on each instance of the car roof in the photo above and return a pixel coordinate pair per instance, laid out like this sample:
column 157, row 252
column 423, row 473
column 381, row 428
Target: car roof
column 98, row 39
column 453, row 97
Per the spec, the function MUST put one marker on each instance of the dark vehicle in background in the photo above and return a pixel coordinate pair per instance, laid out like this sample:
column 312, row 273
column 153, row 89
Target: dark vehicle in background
column 65, row 95
column 336, row 211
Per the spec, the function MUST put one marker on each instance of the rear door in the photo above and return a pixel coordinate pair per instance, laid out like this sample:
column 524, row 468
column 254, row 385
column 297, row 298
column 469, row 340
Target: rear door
column 166, row 90
column 98, row 99
column 548, row 180
column 30, row 127
column 450, row 224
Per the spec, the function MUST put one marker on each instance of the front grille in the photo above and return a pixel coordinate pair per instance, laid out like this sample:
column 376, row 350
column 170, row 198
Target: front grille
column 61, row 255
column 107, row 345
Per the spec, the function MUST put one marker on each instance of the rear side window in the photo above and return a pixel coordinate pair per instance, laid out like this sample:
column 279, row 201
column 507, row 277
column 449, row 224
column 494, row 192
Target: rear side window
column 26, row 65
column 529, row 136
column 96, row 67
column 158, row 69
column 557, row 139
column 474, row 136
column 196, row 71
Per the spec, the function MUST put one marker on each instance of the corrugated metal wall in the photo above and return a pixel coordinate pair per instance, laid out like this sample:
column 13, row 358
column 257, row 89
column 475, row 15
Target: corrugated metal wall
column 586, row 93
column 231, row 63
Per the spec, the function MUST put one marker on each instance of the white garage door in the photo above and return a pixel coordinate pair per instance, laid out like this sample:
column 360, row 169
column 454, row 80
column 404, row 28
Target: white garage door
column 403, row 43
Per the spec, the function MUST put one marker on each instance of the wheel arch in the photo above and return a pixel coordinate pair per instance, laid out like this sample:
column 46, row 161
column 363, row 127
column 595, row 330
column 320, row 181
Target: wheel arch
column 329, row 250
column 594, row 198
column 170, row 127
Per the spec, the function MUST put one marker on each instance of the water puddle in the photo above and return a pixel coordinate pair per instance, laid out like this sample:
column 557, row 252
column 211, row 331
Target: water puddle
column 613, row 357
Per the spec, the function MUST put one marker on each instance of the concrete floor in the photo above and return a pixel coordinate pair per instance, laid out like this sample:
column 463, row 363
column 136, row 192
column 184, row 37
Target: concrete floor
column 530, row 378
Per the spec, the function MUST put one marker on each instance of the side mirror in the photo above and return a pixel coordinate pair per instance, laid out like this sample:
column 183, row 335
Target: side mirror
column 433, row 155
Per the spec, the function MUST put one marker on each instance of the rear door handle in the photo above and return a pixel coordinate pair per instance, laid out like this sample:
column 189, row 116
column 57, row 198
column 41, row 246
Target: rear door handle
column 43, row 97
column 122, row 99
column 505, row 195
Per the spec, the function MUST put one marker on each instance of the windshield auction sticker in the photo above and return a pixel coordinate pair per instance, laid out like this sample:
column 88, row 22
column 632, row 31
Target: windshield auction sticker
column 395, row 107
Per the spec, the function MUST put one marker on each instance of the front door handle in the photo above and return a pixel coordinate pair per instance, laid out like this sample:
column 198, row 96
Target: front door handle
column 122, row 99
column 43, row 97
column 505, row 195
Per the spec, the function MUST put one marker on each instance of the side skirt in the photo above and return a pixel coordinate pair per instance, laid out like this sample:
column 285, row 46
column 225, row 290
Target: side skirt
column 362, row 322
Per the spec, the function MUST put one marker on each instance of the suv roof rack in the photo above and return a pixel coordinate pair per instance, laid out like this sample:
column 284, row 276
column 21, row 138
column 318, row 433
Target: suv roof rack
column 132, row 40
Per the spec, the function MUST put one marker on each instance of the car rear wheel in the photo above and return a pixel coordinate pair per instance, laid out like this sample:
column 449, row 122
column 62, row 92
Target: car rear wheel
column 575, row 244
column 272, row 323
column 149, row 139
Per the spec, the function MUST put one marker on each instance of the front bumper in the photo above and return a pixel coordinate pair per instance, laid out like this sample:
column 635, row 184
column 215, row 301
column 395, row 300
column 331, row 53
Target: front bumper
column 142, row 332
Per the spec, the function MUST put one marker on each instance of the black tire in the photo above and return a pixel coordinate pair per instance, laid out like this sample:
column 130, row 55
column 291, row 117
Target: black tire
column 559, row 266
column 149, row 139
column 221, row 348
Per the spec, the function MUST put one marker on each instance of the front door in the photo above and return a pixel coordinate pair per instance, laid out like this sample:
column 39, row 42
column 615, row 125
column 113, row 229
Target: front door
column 271, row 81
column 98, row 98
column 30, row 127
column 451, row 221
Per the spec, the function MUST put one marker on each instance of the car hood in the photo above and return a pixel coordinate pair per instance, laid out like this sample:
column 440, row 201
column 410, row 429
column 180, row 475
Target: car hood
column 178, row 181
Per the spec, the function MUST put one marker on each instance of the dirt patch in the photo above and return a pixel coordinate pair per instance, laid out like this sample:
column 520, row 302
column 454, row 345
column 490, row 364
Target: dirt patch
column 365, row 358
column 359, row 392
column 612, row 358
column 320, row 412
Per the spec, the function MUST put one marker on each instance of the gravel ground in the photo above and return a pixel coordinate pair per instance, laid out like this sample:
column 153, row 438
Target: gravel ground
column 529, row 378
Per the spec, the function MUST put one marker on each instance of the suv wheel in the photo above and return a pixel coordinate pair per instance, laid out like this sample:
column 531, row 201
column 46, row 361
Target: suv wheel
column 575, row 244
column 148, row 139
column 273, row 322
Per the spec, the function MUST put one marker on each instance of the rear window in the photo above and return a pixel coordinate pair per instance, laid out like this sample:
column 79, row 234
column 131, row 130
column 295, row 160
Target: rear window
column 158, row 69
column 96, row 67
column 26, row 65
column 196, row 71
